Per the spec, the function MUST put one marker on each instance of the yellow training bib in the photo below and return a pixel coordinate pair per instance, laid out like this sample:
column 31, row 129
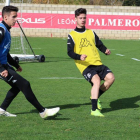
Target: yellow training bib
column 85, row 44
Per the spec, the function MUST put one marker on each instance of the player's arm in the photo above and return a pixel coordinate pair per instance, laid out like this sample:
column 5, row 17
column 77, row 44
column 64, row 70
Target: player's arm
column 70, row 49
column 13, row 62
column 99, row 44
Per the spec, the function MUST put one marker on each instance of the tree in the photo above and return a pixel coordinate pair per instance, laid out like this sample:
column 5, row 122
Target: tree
column 128, row 2
column 137, row 2
column 131, row 3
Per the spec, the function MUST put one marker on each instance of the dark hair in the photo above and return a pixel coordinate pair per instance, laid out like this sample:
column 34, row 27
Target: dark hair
column 9, row 9
column 80, row 11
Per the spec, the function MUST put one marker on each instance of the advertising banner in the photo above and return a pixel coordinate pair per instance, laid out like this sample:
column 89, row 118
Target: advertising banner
column 67, row 21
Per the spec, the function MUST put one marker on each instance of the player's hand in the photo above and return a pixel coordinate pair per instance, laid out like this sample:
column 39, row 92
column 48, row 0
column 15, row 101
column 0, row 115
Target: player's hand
column 4, row 73
column 83, row 57
column 19, row 69
column 107, row 52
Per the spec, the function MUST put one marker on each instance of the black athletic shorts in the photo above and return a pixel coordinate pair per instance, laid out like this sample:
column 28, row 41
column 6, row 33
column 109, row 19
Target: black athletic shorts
column 91, row 70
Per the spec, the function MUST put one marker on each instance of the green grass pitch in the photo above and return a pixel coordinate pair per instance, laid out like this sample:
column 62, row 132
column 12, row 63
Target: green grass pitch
column 74, row 122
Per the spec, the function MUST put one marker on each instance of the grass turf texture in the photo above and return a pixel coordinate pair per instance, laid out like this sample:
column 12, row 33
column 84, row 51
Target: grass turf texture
column 74, row 122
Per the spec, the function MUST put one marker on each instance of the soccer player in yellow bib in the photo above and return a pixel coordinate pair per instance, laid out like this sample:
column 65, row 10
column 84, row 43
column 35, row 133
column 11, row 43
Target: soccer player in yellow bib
column 82, row 46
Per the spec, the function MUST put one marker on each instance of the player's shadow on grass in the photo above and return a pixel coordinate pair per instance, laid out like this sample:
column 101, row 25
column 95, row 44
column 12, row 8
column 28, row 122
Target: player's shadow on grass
column 67, row 106
column 55, row 117
column 123, row 103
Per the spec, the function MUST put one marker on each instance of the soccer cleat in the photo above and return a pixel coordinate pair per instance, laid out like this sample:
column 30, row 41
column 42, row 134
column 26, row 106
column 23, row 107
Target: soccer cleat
column 97, row 113
column 49, row 112
column 99, row 105
column 5, row 113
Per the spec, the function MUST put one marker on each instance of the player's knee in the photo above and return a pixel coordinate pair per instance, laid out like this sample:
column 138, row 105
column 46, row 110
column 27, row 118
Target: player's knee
column 26, row 84
column 96, row 80
column 112, row 78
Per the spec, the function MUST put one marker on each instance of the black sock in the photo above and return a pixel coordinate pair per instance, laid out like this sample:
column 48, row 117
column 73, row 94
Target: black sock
column 100, row 92
column 94, row 104
column 42, row 110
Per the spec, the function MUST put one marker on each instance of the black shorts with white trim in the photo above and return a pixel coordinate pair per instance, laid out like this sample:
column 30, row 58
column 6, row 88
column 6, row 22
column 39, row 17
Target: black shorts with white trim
column 91, row 70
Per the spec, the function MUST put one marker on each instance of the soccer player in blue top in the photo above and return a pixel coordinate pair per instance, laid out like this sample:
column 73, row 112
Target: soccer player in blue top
column 9, row 75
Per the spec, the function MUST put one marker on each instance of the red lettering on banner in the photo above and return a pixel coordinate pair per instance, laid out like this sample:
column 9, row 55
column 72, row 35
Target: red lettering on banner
column 67, row 21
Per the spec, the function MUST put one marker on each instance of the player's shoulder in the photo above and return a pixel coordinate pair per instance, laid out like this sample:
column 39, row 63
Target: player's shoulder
column 71, row 32
column 89, row 30
column 2, row 27
column 2, row 31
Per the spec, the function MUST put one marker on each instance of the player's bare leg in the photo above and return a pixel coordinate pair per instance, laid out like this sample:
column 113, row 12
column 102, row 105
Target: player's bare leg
column 109, row 79
column 94, row 95
column 95, row 88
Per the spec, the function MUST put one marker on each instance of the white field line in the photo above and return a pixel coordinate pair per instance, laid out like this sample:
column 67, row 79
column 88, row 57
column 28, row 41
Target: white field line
column 60, row 78
column 124, row 55
column 120, row 54
column 135, row 59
